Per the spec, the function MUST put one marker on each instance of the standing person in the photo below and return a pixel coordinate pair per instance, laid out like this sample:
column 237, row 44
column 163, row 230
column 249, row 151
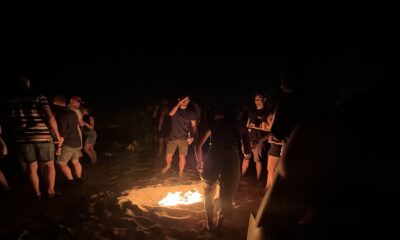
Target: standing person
column 75, row 105
column 72, row 145
column 274, row 151
column 257, row 134
column 164, row 126
column 182, row 122
column 323, row 179
column 274, row 154
column 89, row 135
column 222, row 163
column 32, row 122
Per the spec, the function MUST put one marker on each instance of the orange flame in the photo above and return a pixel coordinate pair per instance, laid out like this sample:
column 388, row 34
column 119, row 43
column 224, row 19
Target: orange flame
column 173, row 199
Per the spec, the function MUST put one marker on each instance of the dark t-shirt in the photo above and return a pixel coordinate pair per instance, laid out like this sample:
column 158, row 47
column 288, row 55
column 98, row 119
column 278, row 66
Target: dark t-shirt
column 227, row 135
column 181, row 124
column 257, row 116
column 68, row 127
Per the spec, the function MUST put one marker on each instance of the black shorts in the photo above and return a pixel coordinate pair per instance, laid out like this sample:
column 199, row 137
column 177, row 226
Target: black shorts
column 275, row 150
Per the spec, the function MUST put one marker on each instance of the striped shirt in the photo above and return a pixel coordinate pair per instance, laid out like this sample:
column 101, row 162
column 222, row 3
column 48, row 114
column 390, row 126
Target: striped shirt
column 29, row 119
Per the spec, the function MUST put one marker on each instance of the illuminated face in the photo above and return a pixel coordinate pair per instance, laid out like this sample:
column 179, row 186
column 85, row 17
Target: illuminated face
column 259, row 101
column 75, row 103
column 185, row 103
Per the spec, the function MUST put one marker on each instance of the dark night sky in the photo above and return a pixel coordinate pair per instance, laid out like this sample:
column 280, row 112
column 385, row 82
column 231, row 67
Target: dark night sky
column 143, row 57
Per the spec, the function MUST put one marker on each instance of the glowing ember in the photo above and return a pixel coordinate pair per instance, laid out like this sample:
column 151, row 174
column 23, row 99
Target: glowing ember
column 173, row 199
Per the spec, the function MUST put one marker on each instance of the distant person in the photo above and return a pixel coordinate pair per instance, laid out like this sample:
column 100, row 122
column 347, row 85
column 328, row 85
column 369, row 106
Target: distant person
column 89, row 135
column 257, row 134
column 183, row 132
column 70, row 150
column 75, row 105
column 148, row 125
column 164, row 126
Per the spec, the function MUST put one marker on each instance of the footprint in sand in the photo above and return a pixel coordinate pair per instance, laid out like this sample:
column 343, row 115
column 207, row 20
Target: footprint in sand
column 166, row 215
column 94, row 196
column 145, row 222
column 113, row 178
column 111, row 170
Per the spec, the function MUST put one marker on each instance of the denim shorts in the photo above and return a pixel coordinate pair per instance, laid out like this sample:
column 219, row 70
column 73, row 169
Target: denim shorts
column 40, row 152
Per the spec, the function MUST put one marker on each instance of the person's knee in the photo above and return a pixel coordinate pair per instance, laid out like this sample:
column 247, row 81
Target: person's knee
column 33, row 166
column 49, row 164
column 75, row 162
column 208, row 189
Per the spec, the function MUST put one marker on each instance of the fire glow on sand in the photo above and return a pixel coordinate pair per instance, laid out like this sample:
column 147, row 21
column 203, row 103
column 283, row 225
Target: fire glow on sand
column 189, row 196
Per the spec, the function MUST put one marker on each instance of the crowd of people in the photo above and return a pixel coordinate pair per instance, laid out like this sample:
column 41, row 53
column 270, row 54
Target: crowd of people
column 48, row 135
column 277, row 134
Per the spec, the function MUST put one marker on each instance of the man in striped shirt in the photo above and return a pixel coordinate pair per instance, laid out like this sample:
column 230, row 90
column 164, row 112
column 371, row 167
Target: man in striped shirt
column 34, row 128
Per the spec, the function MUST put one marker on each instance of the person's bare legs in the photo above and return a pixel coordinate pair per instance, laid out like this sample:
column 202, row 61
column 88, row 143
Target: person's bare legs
column 258, row 170
column 65, row 170
column 168, row 161
column 77, row 168
column 89, row 150
column 271, row 167
column 257, row 155
column 50, row 176
column 209, row 193
column 33, row 177
column 3, row 181
column 245, row 166
column 182, row 164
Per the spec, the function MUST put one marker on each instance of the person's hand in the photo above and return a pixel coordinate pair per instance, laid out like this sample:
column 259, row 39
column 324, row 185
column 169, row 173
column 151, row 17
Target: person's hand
column 251, row 125
column 190, row 140
column 60, row 141
column 186, row 99
column 58, row 151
